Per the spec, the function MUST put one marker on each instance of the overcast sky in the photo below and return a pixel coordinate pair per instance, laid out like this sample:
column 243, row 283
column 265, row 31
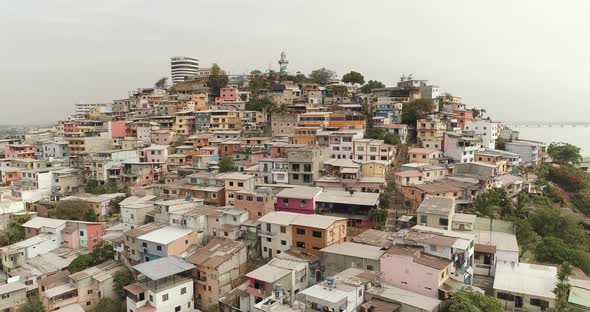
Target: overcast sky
column 521, row 60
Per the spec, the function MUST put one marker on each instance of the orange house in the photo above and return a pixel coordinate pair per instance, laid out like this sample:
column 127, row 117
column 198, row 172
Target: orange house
column 311, row 233
column 346, row 121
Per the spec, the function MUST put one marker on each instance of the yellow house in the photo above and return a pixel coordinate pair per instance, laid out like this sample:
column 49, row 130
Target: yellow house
column 225, row 120
column 430, row 129
column 374, row 169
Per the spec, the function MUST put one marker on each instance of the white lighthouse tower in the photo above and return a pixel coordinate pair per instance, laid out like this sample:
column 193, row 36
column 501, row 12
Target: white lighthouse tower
column 283, row 62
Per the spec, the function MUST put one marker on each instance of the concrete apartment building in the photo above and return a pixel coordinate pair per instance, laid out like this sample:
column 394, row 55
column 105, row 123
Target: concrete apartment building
column 258, row 202
column 340, row 142
column 55, row 150
column 312, row 233
column 460, row 148
column 164, row 242
column 305, row 164
column 371, row 150
column 340, row 257
column 20, row 151
column 436, row 212
column 424, row 155
column 486, row 129
column 12, row 296
column 409, row 268
column 430, row 129
column 86, row 287
column 236, row 182
column 219, row 266
column 164, row 284
column 283, row 124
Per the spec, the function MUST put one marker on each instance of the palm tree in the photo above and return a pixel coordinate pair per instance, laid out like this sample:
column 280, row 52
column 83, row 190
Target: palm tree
column 562, row 288
column 484, row 206
column 522, row 207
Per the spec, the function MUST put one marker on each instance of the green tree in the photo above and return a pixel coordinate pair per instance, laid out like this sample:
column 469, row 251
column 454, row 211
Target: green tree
column 549, row 221
column 14, row 232
column 522, row 207
column 322, row 76
column 120, row 280
column 375, row 133
column 217, row 80
column 226, row 164
column 74, row 210
column 379, row 216
column 354, row 78
column 412, row 111
column 338, row 90
column 260, row 105
column 102, row 252
column 564, row 153
column 556, row 250
column 562, row 289
column 471, row 301
column 391, row 138
column 372, row 84
column 80, row 263
column 33, row 304
column 212, row 308
column 525, row 235
column 161, row 83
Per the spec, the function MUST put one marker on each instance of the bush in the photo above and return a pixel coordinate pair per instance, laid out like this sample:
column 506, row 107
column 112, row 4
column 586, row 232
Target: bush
column 471, row 301
column 555, row 250
column 120, row 280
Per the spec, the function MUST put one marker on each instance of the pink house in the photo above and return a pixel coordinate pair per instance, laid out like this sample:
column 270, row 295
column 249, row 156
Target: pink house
column 462, row 116
column 300, row 199
column 409, row 268
column 257, row 203
column 156, row 153
column 227, row 148
column 82, row 234
column 9, row 176
column 118, row 129
column 228, row 94
column 21, row 151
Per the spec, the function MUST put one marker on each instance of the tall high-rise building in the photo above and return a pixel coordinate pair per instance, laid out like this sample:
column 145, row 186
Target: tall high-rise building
column 183, row 68
column 283, row 62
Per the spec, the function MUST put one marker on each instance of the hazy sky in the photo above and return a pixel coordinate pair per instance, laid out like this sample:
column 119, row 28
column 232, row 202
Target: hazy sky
column 521, row 60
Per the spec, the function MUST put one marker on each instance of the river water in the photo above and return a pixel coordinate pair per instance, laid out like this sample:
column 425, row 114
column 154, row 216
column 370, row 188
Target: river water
column 579, row 136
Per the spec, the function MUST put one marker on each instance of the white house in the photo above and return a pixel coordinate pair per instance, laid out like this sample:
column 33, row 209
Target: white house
column 275, row 233
column 524, row 286
column 486, row 129
column 163, row 284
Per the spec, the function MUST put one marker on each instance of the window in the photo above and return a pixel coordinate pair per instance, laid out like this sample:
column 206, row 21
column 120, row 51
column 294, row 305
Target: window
column 300, row 244
column 183, row 290
column 239, row 197
column 269, row 227
column 81, row 233
column 265, row 249
column 316, row 234
column 505, row 296
column 433, row 248
column 283, row 242
column 295, row 167
column 159, row 248
column 423, row 219
column 250, row 198
column 283, row 229
column 165, row 297
column 231, row 183
column 90, row 291
column 307, row 167
column 300, row 231
column 360, row 148
column 295, row 177
column 285, row 201
column 88, row 303
column 259, row 199
column 177, row 309
column 539, row 302
column 268, row 239
column 370, row 267
column 443, row 221
column 240, row 184
column 144, row 244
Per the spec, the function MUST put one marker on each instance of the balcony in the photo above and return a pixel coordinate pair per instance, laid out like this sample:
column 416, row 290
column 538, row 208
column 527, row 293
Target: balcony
column 267, row 234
